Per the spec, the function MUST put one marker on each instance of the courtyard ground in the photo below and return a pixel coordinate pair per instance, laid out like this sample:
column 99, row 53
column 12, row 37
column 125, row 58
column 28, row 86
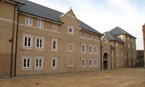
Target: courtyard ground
column 111, row 78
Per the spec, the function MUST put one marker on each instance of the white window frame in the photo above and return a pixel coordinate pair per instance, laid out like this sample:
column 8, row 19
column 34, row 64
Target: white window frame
column 56, row 43
column 71, row 33
column 89, row 49
column 117, row 62
column 128, row 45
column 54, row 27
column 96, row 50
column 42, row 63
column 83, row 52
column 89, row 62
column 68, row 47
column 94, row 62
column 89, row 35
column 40, row 23
column 30, row 65
column 83, row 34
column 56, row 62
column 40, row 45
column 83, row 65
column 68, row 60
column 31, row 41
column 29, row 20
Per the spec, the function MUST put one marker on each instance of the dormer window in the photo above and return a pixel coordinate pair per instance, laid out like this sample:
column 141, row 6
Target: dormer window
column 40, row 23
column 71, row 30
column 28, row 20
column 54, row 27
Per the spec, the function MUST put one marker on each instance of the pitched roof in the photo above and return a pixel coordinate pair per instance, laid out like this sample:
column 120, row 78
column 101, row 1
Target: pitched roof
column 88, row 28
column 18, row 1
column 120, row 31
column 48, row 13
column 41, row 11
column 112, row 37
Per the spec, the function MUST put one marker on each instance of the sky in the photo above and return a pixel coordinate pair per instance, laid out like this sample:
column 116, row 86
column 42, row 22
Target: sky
column 104, row 15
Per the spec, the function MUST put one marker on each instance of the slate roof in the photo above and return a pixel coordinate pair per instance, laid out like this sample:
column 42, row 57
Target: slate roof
column 18, row 1
column 88, row 28
column 120, row 31
column 48, row 13
column 41, row 11
column 112, row 37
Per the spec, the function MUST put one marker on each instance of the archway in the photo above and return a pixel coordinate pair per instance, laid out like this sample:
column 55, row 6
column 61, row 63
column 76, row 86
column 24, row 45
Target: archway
column 105, row 61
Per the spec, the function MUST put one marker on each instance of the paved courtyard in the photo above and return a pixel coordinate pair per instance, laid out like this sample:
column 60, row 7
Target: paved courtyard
column 111, row 78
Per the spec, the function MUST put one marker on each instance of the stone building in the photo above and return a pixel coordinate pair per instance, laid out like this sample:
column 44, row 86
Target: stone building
column 120, row 48
column 39, row 40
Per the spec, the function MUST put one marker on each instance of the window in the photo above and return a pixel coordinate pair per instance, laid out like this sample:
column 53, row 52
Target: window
column 70, row 47
column 95, row 50
column 90, row 49
column 95, row 62
column 133, row 46
column 26, row 62
column 117, row 62
column 117, row 52
column 39, row 42
column 83, row 48
column 54, row 27
column 83, row 63
column 54, row 45
column 28, row 20
column 54, row 63
column 128, row 45
column 27, row 41
column 90, row 63
column 39, row 63
column 70, row 62
column 71, row 30
column 40, row 23
column 89, row 35
column 83, row 34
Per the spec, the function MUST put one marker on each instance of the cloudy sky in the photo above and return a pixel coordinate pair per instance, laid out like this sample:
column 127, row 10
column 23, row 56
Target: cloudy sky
column 104, row 15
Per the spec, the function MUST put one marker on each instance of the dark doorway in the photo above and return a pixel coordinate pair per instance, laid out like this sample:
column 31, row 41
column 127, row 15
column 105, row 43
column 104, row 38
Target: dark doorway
column 105, row 61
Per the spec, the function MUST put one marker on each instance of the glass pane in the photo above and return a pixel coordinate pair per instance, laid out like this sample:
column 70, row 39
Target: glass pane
column 28, row 62
column 53, row 63
column 29, row 41
column 25, row 41
column 24, row 63
column 40, row 61
column 54, row 45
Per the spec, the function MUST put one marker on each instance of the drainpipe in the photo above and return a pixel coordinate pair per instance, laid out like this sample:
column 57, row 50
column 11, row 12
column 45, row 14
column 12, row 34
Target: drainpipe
column 114, row 56
column 100, row 54
column 12, row 44
column 110, row 57
column 16, row 47
column 126, row 54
